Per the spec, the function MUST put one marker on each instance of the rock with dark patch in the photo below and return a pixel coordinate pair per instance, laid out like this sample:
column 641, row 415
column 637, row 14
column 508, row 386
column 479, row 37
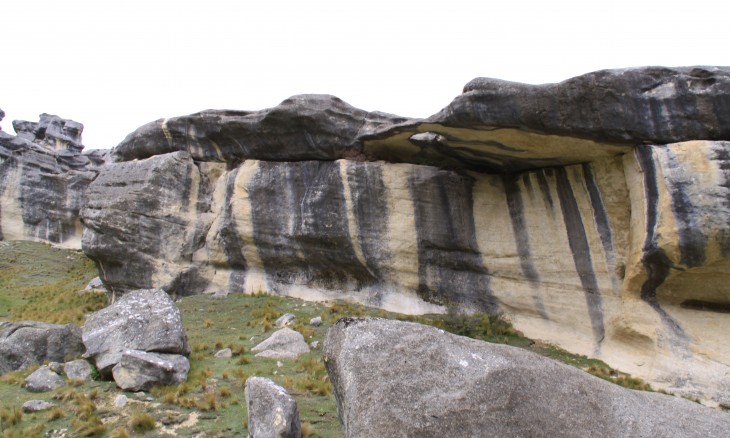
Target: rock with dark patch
column 43, row 380
column 36, row 406
column 25, row 343
column 282, row 344
column 497, row 125
column 305, row 127
column 542, row 202
column 139, row 371
column 272, row 412
column 404, row 379
column 43, row 180
column 146, row 320
column 160, row 201
column 78, row 370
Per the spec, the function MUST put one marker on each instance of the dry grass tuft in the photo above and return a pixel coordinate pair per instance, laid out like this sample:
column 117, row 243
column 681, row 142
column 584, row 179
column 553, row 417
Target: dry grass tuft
column 142, row 422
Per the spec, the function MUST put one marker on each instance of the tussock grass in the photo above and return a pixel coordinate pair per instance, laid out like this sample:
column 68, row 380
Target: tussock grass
column 142, row 422
column 215, row 387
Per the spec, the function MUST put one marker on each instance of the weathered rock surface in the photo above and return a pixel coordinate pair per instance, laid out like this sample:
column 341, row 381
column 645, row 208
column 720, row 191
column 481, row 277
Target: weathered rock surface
column 77, row 370
column 395, row 378
column 272, row 412
column 284, row 320
column 306, row 127
column 25, row 343
column 43, row 180
column 162, row 202
column 587, row 211
column 282, row 344
column 43, row 380
column 36, row 406
column 145, row 320
column 139, row 371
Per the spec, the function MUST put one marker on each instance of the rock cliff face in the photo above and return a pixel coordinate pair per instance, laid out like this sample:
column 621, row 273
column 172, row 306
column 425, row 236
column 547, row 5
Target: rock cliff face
column 43, row 180
column 595, row 213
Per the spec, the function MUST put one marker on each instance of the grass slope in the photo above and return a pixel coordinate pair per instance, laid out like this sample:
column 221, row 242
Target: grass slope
column 42, row 283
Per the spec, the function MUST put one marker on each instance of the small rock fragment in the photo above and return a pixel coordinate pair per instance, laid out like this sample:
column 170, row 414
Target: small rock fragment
column 120, row 400
column 224, row 353
column 316, row 322
column 36, row 406
column 285, row 319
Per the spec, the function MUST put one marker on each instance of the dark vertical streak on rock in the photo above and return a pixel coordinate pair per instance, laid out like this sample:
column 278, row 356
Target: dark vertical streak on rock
column 229, row 239
column 450, row 267
column 655, row 261
column 581, row 254
column 600, row 216
column 722, row 157
column 547, row 197
column 521, row 234
column 692, row 242
column 303, row 237
column 370, row 208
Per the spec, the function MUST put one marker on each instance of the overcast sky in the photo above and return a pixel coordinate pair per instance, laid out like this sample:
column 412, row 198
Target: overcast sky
column 115, row 65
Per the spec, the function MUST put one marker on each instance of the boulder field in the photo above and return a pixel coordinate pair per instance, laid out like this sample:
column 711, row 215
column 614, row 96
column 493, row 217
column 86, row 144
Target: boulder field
column 593, row 213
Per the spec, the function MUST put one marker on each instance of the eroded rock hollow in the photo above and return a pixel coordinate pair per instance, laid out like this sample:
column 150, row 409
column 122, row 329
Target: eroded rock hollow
column 594, row 213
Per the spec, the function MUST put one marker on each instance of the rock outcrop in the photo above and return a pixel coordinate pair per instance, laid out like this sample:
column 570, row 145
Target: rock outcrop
column 43, row 180
column 586, row 211
column 282, row 344
column 26, row 343
column 145, row 320
column 139, row 371
column 272, row 412
column 395, row 378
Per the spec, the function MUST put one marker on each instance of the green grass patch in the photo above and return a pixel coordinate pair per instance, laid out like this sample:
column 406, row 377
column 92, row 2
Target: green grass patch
column 42, row 283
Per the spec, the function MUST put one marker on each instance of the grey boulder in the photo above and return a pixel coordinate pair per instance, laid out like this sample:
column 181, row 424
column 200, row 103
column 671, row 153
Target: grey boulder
column 36, row 406
column 282, row 344
column 25, row 343
column 77, row 370
column 285, row 319
column 145, row 319
column 402, row 379
column 42, row 380
column 139, row 370
column 272, row 412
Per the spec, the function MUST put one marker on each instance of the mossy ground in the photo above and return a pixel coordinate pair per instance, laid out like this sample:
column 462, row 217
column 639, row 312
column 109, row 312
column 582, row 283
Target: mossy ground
column 42, row 283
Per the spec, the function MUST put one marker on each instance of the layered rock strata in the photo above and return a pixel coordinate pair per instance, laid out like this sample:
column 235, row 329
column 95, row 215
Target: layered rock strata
column 586, row 211
column 43, row 180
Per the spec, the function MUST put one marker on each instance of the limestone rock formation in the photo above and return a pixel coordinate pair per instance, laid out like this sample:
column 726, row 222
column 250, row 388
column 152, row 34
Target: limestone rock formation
column 139, row 371
column 282, row 344
column 272, row 412
column 25, row 343
column 586, row 211
column 43, row 181
column 78, row 370
column 145, row 320
column 402, row 379
column 43, row 380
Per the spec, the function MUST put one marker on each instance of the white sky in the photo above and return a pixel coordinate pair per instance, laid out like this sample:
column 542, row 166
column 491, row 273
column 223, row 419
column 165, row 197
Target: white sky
column 115, row 65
